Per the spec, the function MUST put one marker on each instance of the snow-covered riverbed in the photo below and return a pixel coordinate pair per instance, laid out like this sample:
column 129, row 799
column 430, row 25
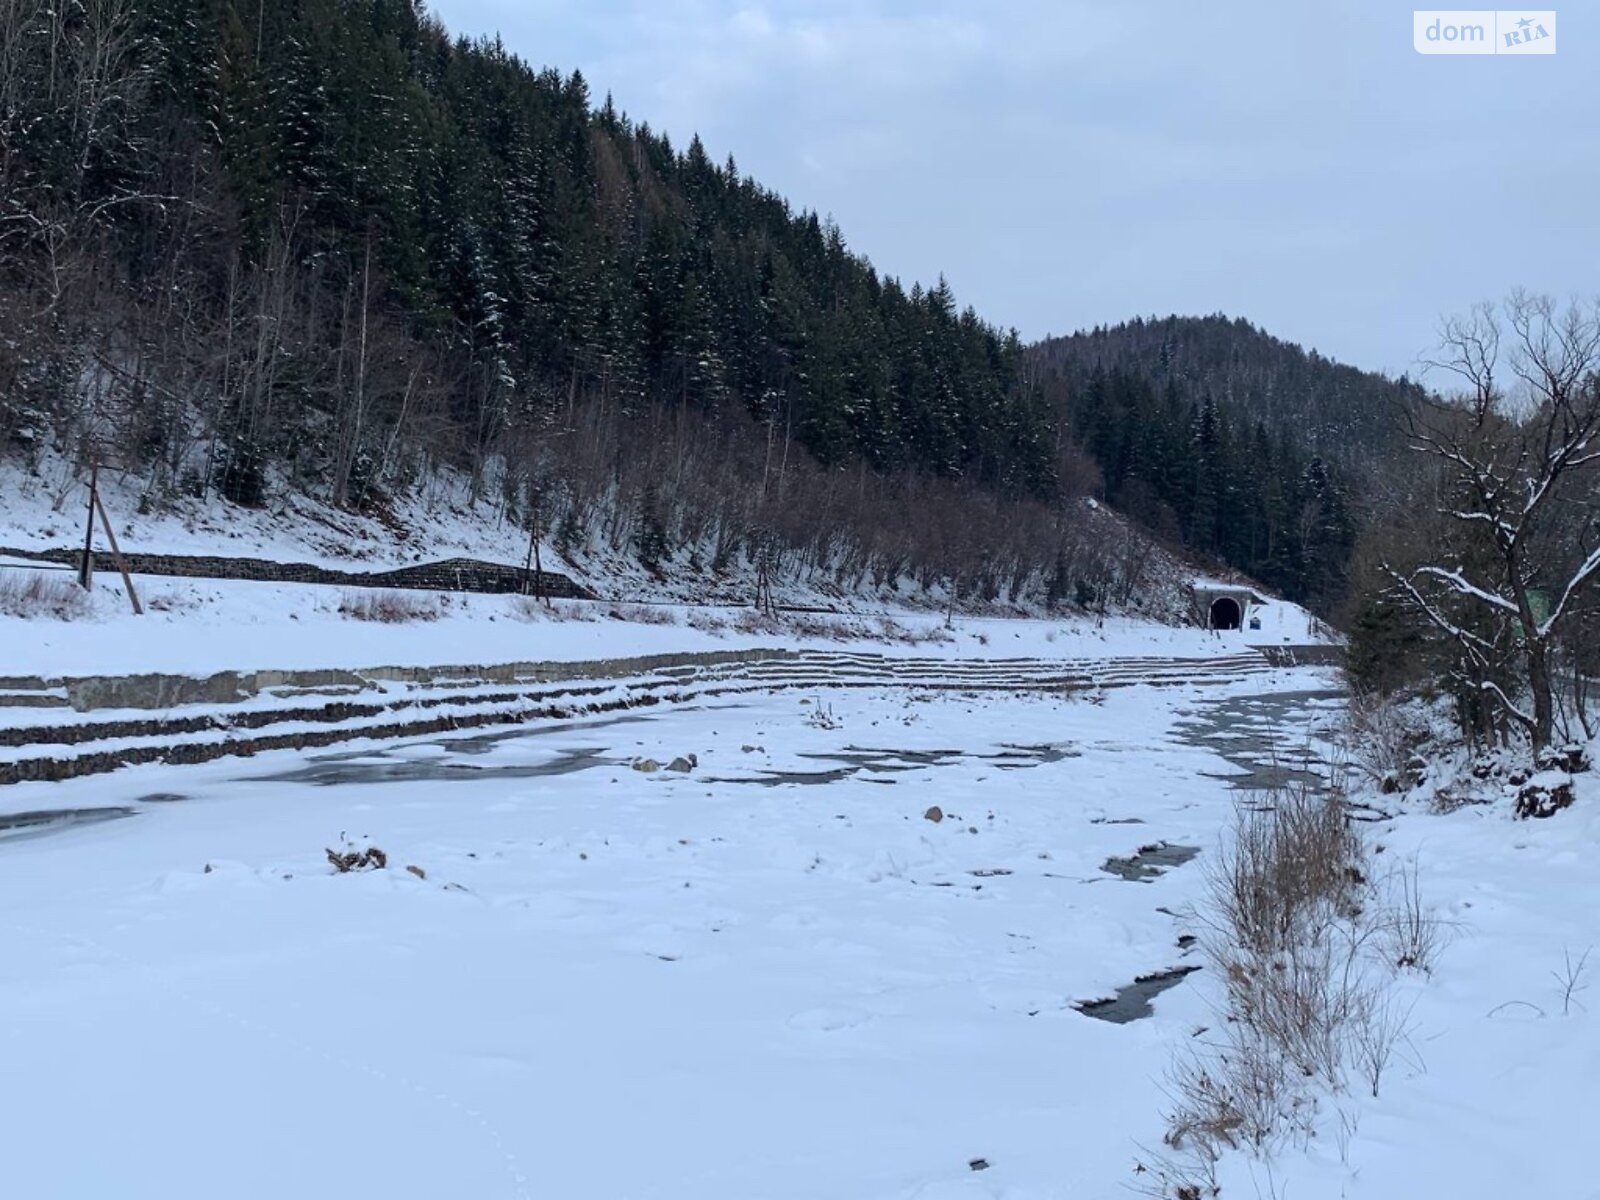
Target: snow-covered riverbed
column 769, row 977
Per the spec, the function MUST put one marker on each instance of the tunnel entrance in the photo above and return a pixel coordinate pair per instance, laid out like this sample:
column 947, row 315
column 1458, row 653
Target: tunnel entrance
column 1225, row 613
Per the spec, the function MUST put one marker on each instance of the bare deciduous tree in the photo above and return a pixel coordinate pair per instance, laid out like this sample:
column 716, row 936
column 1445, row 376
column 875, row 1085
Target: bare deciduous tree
column 1519, row 450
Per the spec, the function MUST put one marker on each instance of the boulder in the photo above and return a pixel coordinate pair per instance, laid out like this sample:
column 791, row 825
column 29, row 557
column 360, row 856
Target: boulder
column 1546, row 794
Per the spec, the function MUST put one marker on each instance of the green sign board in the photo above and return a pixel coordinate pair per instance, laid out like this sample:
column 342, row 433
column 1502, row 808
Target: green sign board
column 1539, row 602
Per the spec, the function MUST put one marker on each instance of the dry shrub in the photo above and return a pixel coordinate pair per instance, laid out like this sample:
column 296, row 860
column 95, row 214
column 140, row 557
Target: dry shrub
column 706, row 621
column 834, row 627
column 1305, row 945
column 532, row 608
column 36, row 594
column 821, row 717
column 816, row 626
column 1382, row 1026
column 1447, row 800
column 642, row 614
column 754, row 621
column 892, row 631
column 1293, row 864
column 1289, row 905
column 389, row 608
column 1381, row 736
column 1234, row 1098
column 1571, row 979
column 1304, row 1001
column 1411, row 934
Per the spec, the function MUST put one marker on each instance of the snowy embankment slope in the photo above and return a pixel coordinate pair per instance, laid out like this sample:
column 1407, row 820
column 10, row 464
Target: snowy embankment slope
column 203, row 626
column 47, row 509
column 437, row 520
column 44, row 509
column 199, row 626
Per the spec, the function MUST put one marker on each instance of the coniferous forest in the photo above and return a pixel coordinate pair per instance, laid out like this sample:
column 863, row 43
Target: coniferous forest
column 322, row 245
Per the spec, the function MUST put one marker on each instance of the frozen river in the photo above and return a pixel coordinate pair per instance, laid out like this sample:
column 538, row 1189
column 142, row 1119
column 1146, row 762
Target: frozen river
column 844, row 955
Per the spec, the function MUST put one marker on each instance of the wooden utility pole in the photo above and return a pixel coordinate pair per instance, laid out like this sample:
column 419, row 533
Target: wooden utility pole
column 533, row 568
column 532, row 575
column 86, row 567
column 538, row 573
column 765, row 604
column 116, row 553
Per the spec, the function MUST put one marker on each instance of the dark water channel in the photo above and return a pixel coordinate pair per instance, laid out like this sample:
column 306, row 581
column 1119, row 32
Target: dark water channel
column 1132, row 1001
column 861, row 760
column 1276, row 740
column 14, row 827
column 451, row 759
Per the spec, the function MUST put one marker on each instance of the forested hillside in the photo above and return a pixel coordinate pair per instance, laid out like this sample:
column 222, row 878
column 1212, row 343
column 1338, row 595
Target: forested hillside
column 1247, row 448
column 285, row 190
column 321, row 246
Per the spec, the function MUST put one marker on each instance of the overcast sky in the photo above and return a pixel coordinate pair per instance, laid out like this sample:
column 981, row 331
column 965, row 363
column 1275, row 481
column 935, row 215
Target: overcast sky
column 1066, row 165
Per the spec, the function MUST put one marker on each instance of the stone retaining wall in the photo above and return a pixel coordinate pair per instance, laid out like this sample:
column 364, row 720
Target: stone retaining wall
column 187, row 753
column 450, row 575
column 229, row 687
column 1320, row 655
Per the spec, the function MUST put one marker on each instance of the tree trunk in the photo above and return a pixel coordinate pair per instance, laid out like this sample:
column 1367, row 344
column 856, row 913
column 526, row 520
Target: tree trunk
column 1543, row 700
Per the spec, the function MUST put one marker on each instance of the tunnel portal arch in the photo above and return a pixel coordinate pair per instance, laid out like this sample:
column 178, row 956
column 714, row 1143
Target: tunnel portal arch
column 1226, row 613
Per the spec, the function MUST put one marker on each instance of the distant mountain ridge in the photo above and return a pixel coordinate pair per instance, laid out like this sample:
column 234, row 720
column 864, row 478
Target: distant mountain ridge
column 1348, row 416
column 1239, row 445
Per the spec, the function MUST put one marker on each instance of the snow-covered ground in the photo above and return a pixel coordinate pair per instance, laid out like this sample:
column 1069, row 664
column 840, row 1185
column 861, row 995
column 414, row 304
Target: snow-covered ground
column 770, row 976
column 1496, row 1090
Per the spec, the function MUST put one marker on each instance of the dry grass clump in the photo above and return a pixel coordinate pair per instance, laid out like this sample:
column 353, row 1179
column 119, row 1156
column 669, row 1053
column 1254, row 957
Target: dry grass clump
column 832, row 627
column 389, row 607
column 818, row 626
column 642, row 614
column 532, row 608
column 1291, row 866
column 35, row 594
column 1410, row 935
column 1306, row 945
column 1233, row 1099
column 170, row 602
